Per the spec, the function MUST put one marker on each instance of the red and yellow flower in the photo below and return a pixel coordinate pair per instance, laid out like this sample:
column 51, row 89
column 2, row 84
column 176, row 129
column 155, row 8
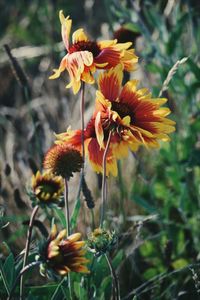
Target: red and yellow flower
column 85, row 56
column 133, row 116
column 63, row 255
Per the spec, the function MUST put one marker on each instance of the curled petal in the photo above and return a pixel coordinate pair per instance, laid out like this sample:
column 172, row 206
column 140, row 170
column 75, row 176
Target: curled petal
column 66, row 25
column 61, row 68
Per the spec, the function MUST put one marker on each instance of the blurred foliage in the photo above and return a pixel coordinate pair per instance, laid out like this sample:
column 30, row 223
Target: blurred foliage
column 158, row 203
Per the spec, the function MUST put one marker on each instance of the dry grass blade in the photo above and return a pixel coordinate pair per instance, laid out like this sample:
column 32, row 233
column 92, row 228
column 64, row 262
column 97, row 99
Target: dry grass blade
column 171, row 73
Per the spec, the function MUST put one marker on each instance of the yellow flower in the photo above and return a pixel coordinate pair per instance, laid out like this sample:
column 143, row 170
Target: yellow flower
column 47, row 188
column 85, row 56
column 63, row 255
column 63, row 160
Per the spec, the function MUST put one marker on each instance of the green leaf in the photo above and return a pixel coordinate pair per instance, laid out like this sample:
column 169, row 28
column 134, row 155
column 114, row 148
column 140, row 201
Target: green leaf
column 44, row 292
column 176, row 33
column 61, row 216
column 80, row 292
column 4, row 278
column 132, row 27
column 75, row 213
column 9, row 270
column 143, row 203
column 118, row 258
column 180, row 263
column 58, row 292
column 194, row 68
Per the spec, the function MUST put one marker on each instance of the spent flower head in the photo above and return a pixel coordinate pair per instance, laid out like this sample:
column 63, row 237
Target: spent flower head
column 63, row 160
column 60, row 254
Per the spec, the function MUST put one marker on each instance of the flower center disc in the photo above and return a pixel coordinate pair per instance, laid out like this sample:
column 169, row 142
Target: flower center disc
column 122, row 109
column 85, row 46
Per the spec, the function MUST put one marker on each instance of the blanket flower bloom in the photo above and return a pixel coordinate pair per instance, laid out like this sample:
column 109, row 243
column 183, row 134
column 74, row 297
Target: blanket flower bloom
column 46, row 188
column 85, row 56
column 63, row 255
column 133, row 116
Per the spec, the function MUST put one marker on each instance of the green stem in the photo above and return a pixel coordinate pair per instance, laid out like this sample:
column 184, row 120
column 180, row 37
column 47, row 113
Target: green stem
column 116, row 292
column 27, row 248
column 67, row 227
column 24, row 270
column 104, row 188
column 67, row 207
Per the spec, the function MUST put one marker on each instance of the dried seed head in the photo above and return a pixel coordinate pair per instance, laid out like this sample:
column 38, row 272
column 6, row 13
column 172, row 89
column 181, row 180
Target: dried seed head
column 63, row 160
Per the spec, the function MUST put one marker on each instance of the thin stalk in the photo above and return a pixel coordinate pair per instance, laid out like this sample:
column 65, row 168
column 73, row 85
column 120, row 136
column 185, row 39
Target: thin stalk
column 82, row 106
column 115, row 281
column 82, row 109
column 67, row 207
column 24, row 270
column 104, row 187
column 67, row 226
column 27, row 248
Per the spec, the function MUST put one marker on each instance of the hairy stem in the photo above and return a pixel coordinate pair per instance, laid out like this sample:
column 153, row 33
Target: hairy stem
column 27, row 248
column 116, row 292
column 104, row 188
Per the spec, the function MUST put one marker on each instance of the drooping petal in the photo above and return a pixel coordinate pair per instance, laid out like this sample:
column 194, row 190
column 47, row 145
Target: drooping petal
column 62, row 67
column 76, row 64
column 66, row 24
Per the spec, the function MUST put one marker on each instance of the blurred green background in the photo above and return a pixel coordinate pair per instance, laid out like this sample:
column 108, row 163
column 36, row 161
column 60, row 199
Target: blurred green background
column 155, row 201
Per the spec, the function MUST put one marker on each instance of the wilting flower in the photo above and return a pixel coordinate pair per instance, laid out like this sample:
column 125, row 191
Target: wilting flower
column 63, row 160
column 101, row 240
column 46, row 188
column 131, row 114
column 63, row 255
column 85, row 56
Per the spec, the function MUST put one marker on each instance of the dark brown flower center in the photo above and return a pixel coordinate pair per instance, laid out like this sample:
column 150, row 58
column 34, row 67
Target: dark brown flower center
column 50, row 187
column 122, row 109
column 85, row 46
